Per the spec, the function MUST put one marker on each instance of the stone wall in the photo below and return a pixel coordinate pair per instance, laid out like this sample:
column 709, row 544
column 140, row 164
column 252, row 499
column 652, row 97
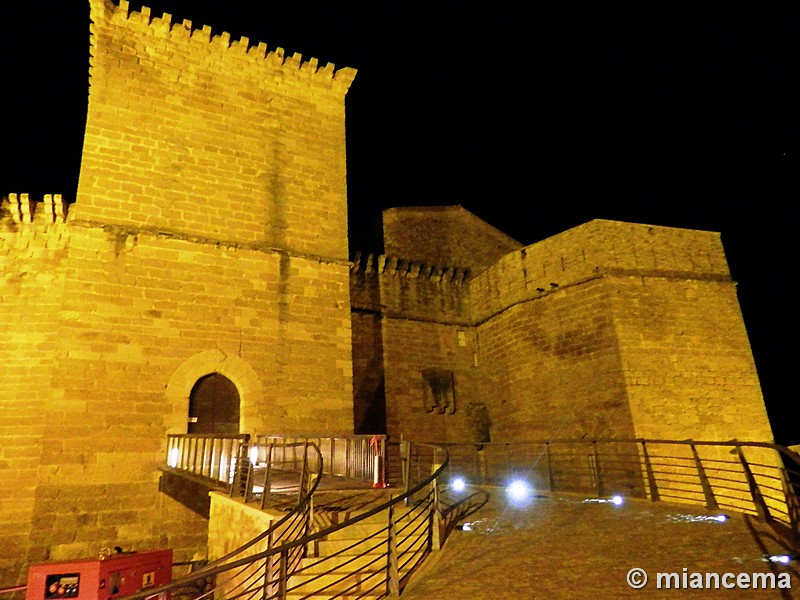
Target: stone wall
column 208, row 236
column 32, row 272
column 608, row 329
column 550, row 367
column 444, row 235
column 409, row 318
column 212, row 137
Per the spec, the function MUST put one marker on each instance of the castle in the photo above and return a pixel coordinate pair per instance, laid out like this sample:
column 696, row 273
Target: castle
column 208, row 244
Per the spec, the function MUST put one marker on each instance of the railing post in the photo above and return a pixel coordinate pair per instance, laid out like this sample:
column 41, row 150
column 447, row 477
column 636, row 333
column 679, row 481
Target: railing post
column 241, row 478
column 269, row 570
column 283, row 574
column 348, row 467
column 758, row 500
column 791, row 504
column 194, row 454
column 385, row 461
column 434, row 531
column 309, row 521
column 708, row 492
column 182, row 453
column 480, row 458
column 392, row 562
column 598, row 478
column 204, row 461
column 332, row 460
column 405, row 461
column 550, row 480
column 266, row 494
column 651, row 477
column 303, row 472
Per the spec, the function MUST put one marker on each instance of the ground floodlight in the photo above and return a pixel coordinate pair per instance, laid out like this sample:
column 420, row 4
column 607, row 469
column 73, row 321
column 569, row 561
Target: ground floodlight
column 519, row 490
column 617, row 500
column 721, row 518
column 458, row 484
column 783, row 559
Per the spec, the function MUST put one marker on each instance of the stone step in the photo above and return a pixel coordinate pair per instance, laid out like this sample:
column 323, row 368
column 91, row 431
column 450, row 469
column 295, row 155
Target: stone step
column 350, row 562
column 351, row 546
column 379, row 592
column 339, row 562
column 338, row 582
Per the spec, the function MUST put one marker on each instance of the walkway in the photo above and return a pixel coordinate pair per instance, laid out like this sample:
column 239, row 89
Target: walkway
column 564, row 547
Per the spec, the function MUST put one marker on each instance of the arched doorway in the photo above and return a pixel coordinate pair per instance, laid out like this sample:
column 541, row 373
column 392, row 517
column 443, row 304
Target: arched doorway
column 214, row 405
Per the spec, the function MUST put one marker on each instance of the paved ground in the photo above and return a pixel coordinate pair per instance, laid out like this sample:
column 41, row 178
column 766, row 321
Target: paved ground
column 564, row 547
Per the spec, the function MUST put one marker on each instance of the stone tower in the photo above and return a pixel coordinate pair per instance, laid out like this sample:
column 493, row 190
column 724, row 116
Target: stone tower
column 208, row 237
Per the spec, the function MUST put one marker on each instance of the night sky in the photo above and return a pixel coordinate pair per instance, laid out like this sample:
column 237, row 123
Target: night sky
column 535, row 119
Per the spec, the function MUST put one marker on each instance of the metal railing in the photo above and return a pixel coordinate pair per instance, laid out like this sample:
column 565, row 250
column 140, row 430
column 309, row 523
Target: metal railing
column 375, row 553
column 283, row 560
column 210, row 457
column 260, row 563
column 352, row 457
column 756, row 478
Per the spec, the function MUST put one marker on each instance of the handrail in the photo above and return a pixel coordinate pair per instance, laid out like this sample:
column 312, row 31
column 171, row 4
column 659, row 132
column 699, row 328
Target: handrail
column 225, row 564
column 11, row 590
column 210, row 457
column 758, row 478
column 750, row 477
column 278, row 556
column 351, row 456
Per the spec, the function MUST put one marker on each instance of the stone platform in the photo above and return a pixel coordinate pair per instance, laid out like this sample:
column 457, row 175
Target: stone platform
column 563, row 546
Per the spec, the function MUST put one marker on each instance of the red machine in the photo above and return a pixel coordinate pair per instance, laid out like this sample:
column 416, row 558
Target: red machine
column 116, row 576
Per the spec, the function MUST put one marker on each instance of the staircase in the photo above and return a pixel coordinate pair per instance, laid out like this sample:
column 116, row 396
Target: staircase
column 365, row 559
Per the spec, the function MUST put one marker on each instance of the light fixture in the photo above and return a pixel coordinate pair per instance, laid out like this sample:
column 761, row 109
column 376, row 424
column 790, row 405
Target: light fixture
column 458, row 484
column 519, row 490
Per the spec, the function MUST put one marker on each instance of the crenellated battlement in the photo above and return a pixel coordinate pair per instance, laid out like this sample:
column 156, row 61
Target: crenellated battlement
column 381, row 264
column 192, row 131
column 24, row 209
column 404, row 288
column 104, row 12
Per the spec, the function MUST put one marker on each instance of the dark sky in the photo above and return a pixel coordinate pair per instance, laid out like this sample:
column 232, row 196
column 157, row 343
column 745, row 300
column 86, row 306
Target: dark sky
column 536, row 119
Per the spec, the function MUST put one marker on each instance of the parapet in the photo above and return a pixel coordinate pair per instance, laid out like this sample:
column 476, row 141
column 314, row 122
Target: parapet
column 409, row 289
column 594, row 249
column 52, row 208
column 400, row 267
column 103, row 11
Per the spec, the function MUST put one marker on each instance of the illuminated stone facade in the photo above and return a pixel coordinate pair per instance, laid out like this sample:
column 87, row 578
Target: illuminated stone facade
column 607, row 330
column 208, row 235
